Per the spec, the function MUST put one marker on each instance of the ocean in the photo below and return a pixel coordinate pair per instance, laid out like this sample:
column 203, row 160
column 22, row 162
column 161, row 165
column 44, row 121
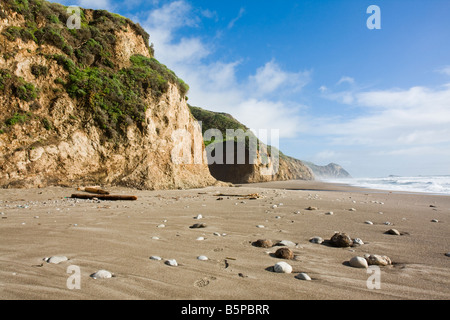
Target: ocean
column 425, row 184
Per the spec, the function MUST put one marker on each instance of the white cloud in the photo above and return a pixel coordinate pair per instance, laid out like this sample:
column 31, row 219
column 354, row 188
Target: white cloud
column 349, row 80
column 214, row 85
column 239, row 16
column 444, row 70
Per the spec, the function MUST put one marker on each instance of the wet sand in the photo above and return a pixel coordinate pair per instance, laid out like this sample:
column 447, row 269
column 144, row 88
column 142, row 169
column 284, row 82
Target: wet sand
column 119, row 236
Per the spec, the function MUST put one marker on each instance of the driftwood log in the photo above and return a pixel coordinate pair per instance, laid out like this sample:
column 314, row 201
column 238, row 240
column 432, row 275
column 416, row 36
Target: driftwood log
column 104, row 197
column 95, row 190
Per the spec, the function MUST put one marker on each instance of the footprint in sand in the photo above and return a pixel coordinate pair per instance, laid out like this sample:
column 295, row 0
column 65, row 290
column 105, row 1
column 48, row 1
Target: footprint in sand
column 204, row 282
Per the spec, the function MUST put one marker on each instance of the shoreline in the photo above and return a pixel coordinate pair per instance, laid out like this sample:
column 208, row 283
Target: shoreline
column 121, row 236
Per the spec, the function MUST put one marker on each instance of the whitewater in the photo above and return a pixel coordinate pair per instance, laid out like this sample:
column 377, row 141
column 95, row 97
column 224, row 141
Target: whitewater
column 423, row 184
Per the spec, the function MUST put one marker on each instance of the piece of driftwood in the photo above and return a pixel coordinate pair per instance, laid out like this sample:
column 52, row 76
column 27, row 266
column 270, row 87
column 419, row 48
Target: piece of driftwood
column 252, row 196
column 95, row 190
column 104, row 197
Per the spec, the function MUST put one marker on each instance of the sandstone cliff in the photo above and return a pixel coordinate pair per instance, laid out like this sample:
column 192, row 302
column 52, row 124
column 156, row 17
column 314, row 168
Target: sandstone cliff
column 88, row 105
column 331, row 170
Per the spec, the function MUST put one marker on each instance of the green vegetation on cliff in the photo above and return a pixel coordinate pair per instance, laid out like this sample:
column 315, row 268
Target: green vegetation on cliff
column 115, row 97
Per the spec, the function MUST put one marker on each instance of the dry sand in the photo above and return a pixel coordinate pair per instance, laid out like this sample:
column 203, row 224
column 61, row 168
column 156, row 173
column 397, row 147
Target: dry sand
column 117, row 236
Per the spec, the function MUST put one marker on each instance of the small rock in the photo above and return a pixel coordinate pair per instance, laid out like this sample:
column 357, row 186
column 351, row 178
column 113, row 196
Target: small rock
column 101, row 274
column 303, row 276
column 198, row 217
column 155, row 238
column 274, row 206
column 263, row 243
column 202, row 258
column 171, row 262
column 448, row 254
column 368, row 222
column 155, row 258
column 394, row 232
column 387, row 223
column 161, row 226
column 317, row 240
column 435, row 220
column 330, row 213
column 312, row 208
column 286, row 243
column 341, row 240
column 56, row 259
column 216, row 234
column 200, row 238
column 284, row 253
column 198, row 226
column 357, row 241
column 352, row 209
column 377, row 260
column 282, row 267
column 260, row 226
column 359, row 262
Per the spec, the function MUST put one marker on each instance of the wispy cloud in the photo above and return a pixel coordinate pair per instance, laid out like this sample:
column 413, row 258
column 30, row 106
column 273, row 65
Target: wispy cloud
column 239, row 16
column 444, row 70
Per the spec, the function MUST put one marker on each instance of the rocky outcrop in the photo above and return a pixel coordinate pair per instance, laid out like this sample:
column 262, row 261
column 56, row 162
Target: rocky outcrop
column 263, row 165
column 66, row 104
column 331, row 170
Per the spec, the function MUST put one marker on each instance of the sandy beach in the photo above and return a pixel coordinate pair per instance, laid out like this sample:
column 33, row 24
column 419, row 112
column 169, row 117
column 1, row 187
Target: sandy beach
column 121, row 236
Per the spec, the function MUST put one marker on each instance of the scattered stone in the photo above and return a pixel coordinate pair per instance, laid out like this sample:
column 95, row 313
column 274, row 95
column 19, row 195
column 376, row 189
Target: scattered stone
column 377, row 260
column 202, row 258
column 216, row 234
column 198, row 226
column 387, row 223
column 260, row 226
column 303, row 276
column 284, row 253
column 56, row 259
column 330, row 213
column 433, row 206
column 317, row 240
column 435, row 220
column 341, row 240
column 199, row 217
column 312, row 208
column 448, row 254
column 161, row 226
column 352, row 209
column 155, row 238
column 358, row 262
column 200, row 238
column 286, row 243
column 171, row 262
column 155, row 258
column 282, row 267
column 263, row 243
column 274, row 206
column 358, row 242
column 394, row 232
column 368, row 222
column 102, row 274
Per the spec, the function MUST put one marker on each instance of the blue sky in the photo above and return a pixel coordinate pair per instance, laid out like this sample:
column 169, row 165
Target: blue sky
column 375, row 101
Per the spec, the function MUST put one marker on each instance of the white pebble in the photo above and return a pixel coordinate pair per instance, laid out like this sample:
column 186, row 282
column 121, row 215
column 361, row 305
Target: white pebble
column 56, row 259
column 198, row 217
column 171, row 262
column 216, row 234
column 317, row 240
column 359, row 262
column 352, row 209
column 303, row 276
column 274, row 206
column 368, row 222
column 330, row 213
column 155, row 238
column 435, row 220
column 161, row 226
column 102, row 274
column 358, row 241
column 282, row 267
column 202, row 258
column 200, row 239
column 260, row 226
column 155, row 258
column 286, row 243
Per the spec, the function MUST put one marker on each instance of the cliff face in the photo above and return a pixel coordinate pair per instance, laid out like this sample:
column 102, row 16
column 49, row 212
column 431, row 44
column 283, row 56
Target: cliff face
column 265, row 166
column 88, row 106
column 331, row 170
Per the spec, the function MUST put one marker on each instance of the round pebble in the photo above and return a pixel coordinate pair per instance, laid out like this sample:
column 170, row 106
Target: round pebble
column 56, row 259
column 202, row 258
column 161, row 226
column 359, row 262
column 101, row 274
column 317, row 240
column 155, row 258
column 284, row 253
column 282, row 267
column 171, row 262
column 200, row 238
column 375, row 259
column 263, row 243
column 358, row 241
column 394, row 232
column 303, row 276
column 330, row 213
column 286, row 243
